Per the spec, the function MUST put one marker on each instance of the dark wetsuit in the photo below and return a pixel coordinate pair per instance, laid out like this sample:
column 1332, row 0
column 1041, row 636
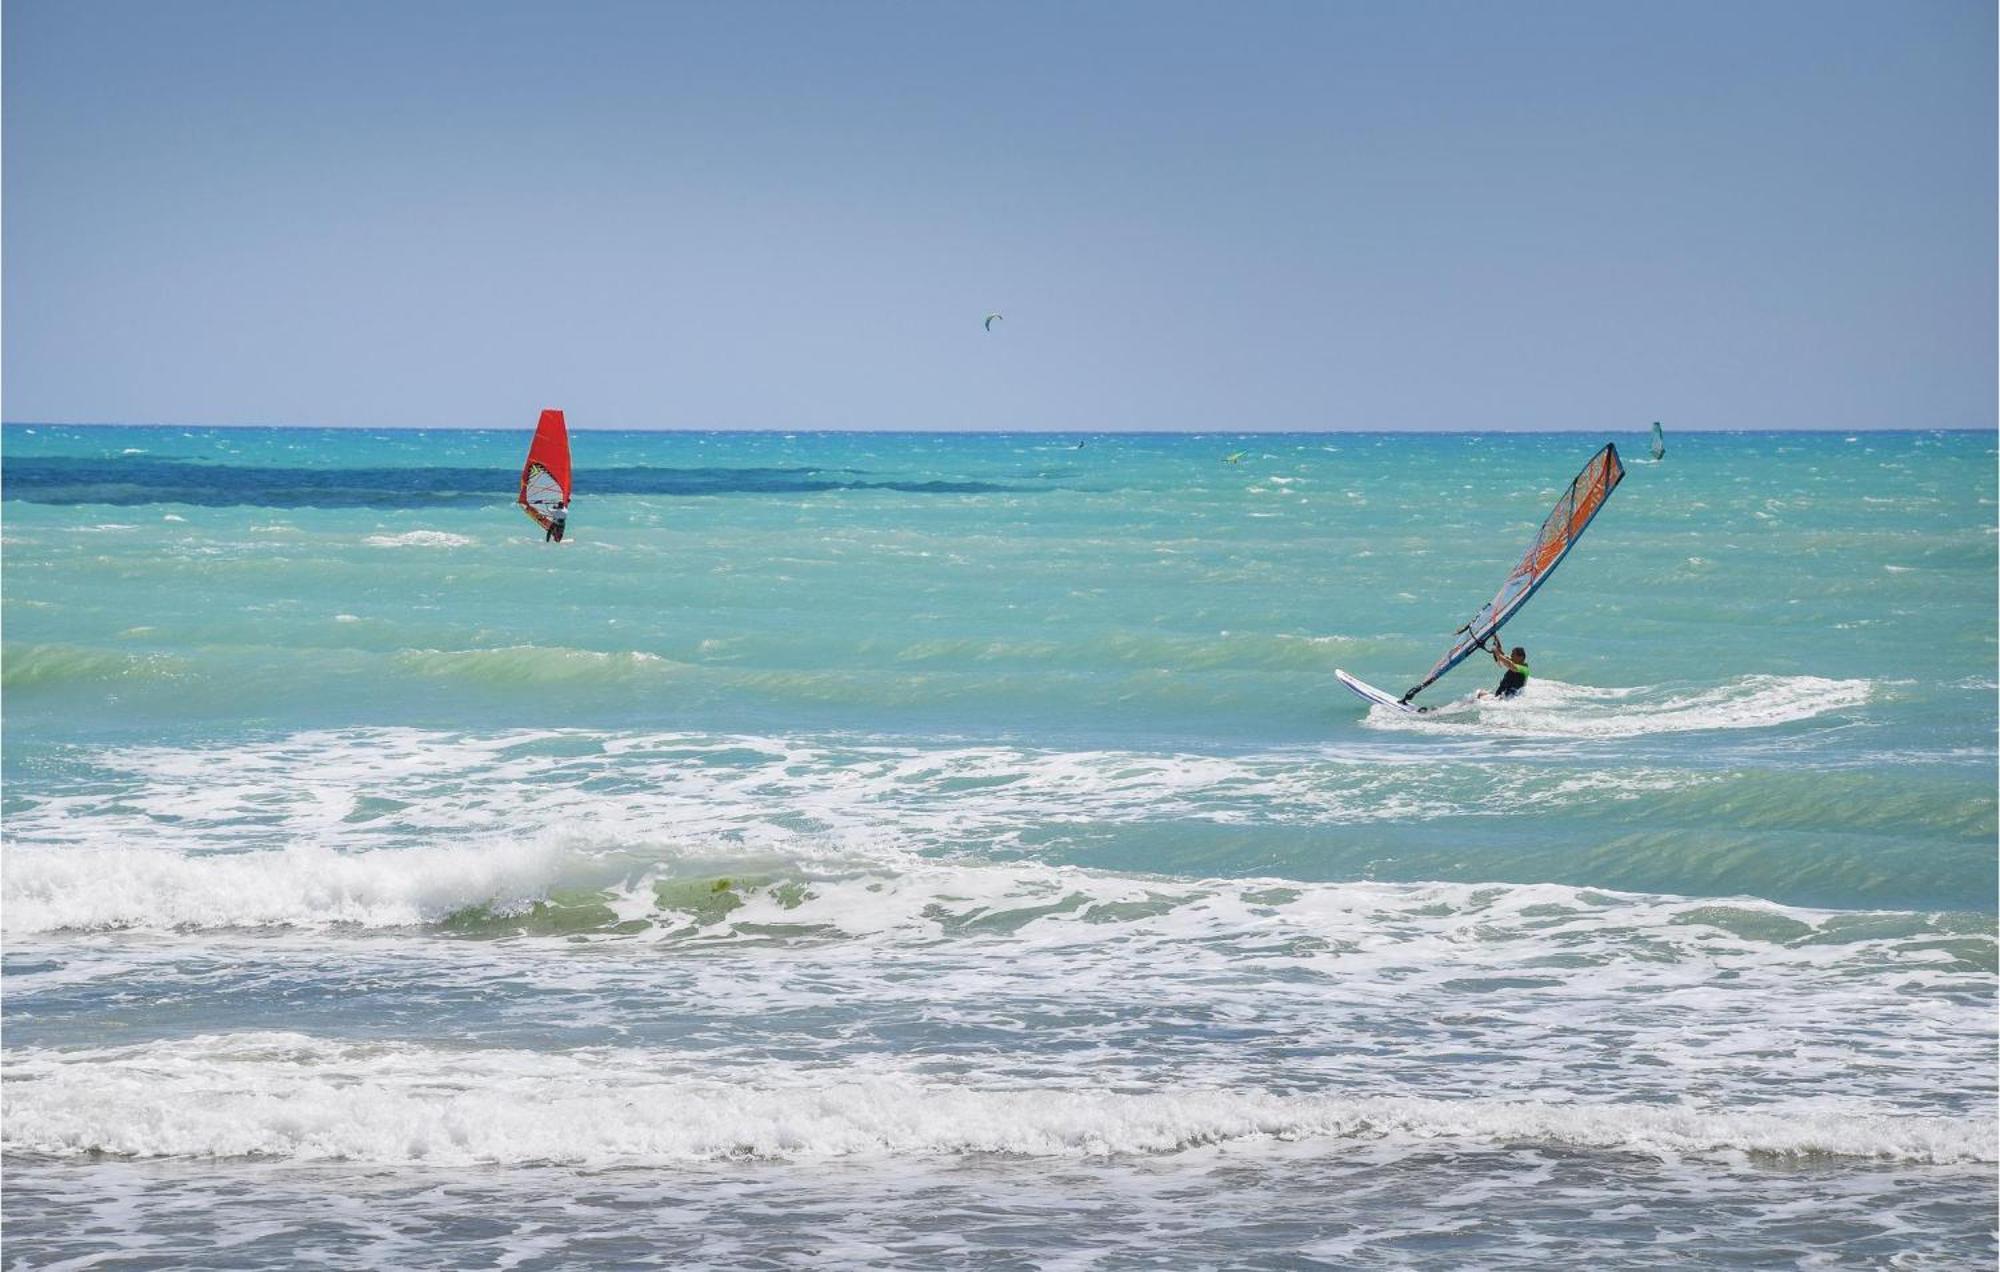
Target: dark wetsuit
column 558, row 521
column 1512, row 682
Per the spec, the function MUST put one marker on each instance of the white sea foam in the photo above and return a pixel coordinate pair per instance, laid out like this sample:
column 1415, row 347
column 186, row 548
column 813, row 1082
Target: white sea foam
column 1553, row 709
column 803, row 980
column 1065, row 926
column 300, row 1098
column 358, row 790
column 419, row 539
column 136, row 886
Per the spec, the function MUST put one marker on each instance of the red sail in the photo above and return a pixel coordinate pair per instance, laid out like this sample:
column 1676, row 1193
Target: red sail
column 545, row 477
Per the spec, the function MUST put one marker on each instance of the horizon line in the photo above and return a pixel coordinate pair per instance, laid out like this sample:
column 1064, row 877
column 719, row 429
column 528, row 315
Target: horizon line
column 1005, row 432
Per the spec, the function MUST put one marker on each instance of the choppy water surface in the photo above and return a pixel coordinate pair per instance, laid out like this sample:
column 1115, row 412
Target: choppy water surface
column 894, row 849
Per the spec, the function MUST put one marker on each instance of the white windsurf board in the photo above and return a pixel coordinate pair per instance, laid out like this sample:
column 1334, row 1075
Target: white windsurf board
column 1363, row 689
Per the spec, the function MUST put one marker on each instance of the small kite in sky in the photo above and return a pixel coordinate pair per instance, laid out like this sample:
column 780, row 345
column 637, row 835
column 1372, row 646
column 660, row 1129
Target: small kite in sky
column 990, row 320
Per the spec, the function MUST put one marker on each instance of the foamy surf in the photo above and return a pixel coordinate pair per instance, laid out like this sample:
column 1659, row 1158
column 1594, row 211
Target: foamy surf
column 420, row 539
column 670, row 797
column 296, row 1097
column 1554, row 709
column 152, row 889
column 812, row 891
column 332, row 788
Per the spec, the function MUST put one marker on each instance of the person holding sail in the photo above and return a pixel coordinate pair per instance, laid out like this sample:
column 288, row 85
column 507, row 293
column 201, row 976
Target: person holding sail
column 1514, row 671
column 1571, row 516
column 544, row 489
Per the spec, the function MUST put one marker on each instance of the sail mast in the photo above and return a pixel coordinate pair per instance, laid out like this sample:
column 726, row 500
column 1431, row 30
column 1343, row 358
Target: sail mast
column 1565, row 523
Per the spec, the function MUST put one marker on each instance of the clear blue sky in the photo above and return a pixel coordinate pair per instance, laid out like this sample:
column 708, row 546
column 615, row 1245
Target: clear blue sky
column 794, row 215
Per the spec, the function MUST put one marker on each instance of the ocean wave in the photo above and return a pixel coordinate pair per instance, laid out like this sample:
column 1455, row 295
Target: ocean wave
column 681, row 788
column 1149, row 651
column 294, row 1097
column 46, row 666
column 136, row 887
column 871, row 896
column 670, row 799
column 534, row 664
column 1553, row 709
column 420, row 539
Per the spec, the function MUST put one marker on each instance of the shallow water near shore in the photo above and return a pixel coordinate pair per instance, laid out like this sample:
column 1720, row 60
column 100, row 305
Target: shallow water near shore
column 903, row 849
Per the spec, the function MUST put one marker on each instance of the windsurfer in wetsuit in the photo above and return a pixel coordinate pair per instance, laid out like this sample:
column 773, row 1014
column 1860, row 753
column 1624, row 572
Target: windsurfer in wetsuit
column 558, row 519
column 1515, row 674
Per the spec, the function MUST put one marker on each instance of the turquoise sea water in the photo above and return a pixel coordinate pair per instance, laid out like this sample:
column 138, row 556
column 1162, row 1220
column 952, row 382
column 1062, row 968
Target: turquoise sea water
column 894, row 848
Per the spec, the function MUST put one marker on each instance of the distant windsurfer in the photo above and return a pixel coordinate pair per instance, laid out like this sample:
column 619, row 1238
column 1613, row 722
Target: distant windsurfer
column 544, row 490
column 1514, row 673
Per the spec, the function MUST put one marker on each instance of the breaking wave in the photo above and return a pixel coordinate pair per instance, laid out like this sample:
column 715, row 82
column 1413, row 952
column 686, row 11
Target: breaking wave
column 295, row 1097
column 818, row 890
column 377, row 817
column 133, row 887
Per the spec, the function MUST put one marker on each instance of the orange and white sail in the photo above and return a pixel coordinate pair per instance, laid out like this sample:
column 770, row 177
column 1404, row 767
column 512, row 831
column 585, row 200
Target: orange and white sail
column 1565, row 523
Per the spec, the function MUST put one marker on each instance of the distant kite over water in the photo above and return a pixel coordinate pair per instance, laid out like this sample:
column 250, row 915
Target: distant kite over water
column 990, row 320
